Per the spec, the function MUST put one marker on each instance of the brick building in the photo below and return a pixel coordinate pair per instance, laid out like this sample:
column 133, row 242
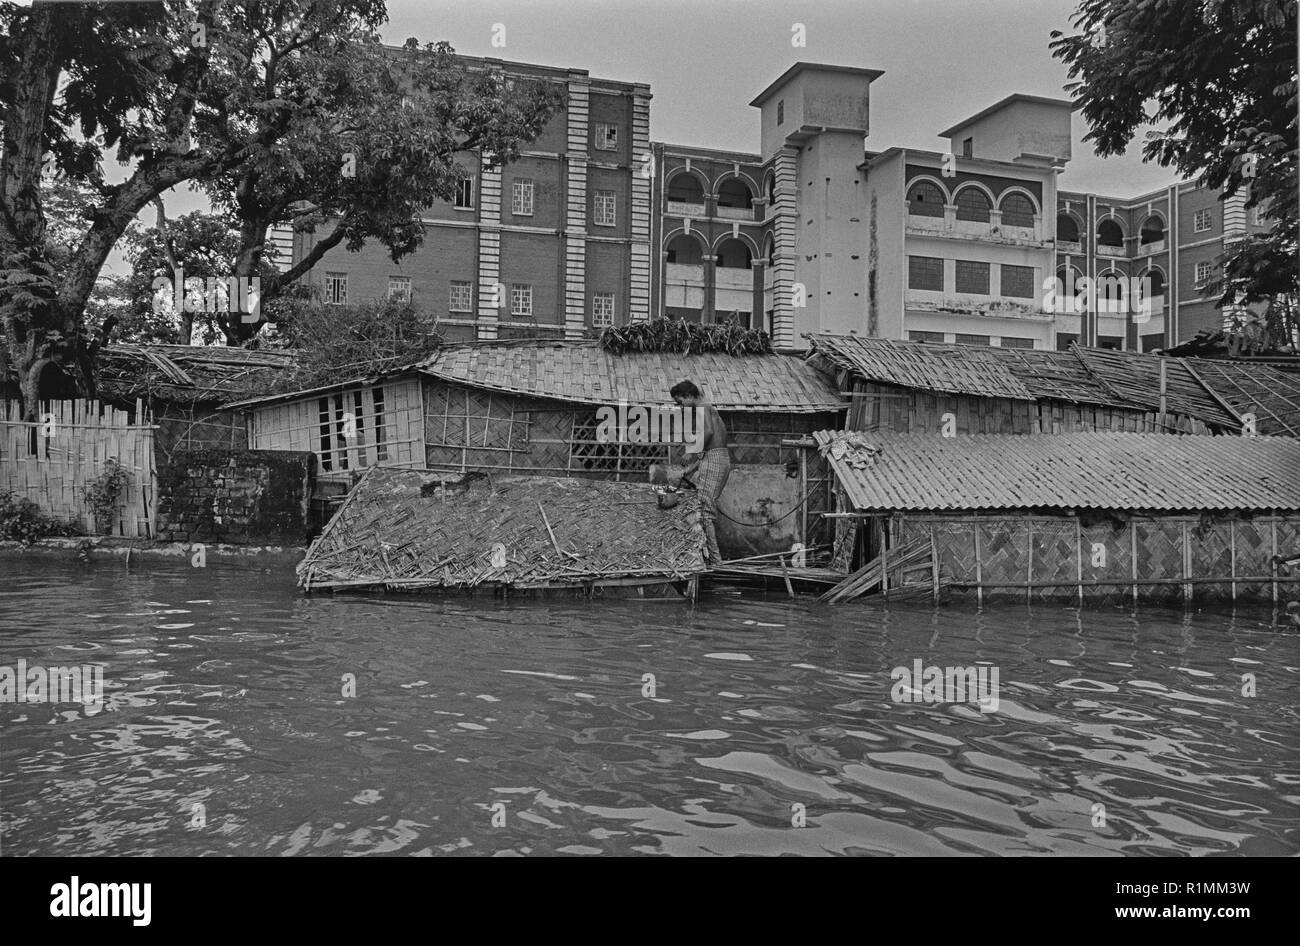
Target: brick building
column 553, row 243
column 596, row 225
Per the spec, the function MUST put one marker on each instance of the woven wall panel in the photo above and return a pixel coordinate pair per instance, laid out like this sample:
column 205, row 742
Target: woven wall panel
column 1254, row 541
column 1160, row 555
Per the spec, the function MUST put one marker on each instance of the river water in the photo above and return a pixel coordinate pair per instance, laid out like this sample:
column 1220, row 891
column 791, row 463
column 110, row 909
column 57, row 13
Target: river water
column 739, row 725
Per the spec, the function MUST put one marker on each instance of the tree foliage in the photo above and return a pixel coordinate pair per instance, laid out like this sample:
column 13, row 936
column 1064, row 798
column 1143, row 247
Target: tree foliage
column 1218, row 79
column 285, row 112
column 685, row 338
column 332, row 343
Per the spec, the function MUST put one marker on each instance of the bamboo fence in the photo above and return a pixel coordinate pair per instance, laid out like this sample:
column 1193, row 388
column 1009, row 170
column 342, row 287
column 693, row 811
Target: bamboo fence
column 53, row 460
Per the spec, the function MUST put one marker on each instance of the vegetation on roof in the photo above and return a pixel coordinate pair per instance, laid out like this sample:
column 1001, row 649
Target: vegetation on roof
column 685, row 338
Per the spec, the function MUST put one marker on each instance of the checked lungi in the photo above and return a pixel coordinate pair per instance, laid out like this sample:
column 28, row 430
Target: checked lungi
column 710, row 478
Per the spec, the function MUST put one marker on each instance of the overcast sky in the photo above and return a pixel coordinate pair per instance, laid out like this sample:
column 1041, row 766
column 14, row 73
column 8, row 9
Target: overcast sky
column 705, row 60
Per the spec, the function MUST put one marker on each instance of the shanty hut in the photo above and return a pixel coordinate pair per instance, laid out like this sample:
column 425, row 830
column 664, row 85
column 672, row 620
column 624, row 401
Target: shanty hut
column 413, row 530
column 536, row 407
column 183, row 388
column 922, row 387
column 1086, row 515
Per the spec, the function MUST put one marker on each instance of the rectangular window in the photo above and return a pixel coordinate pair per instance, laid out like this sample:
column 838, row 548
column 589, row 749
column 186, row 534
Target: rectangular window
column 336, row 288
column 464, row 194
column 399, row 288
column 462, row 296
column 925, row 272
column 972, row 339
column 1011, row 341
column 606, row 137
column 968, row 148
column 1018, row 281
column 381, row 433
column 925, row 337
column 1202, row 221
column 1202, row 274
column 780, row 112
column 972, row 277
column 1257, row 217
column 521, row 300
column 605, row 208
column 521, row 204
column 602, row 309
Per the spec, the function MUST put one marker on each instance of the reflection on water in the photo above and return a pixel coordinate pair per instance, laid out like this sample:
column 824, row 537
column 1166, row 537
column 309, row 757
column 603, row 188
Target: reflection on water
column 481, row 727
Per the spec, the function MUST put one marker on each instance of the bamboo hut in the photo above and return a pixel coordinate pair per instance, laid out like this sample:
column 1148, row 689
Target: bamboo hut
column 183, row 388
column 1111, row 516
column 412, row 530
column 921, row 387
column 532, row 407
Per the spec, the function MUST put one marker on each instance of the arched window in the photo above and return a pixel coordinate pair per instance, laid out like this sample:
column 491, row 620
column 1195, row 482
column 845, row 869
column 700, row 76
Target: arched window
column 1017, row 211
column 734, row 254
column 973, row 205
column 1153, row 230
column 1067, row 228
column 685, row 188
column 735, row 193
column 1109, row 233
column 685, row 250
column 1112, row 288
column 924, row 199
column 1067, row 289
column 1155, row 280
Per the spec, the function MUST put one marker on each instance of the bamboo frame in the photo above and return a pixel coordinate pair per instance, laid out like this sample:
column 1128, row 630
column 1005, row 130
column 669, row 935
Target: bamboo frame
column 1175, row 540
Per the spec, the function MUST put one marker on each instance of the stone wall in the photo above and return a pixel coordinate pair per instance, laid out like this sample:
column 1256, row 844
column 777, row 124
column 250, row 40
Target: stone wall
column 237, row 497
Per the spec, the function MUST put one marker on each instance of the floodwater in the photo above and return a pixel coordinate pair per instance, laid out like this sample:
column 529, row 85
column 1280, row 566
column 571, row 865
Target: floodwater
column 741, row 725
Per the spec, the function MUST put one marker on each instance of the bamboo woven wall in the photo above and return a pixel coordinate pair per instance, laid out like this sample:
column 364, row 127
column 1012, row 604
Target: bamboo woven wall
column 1174, row 559
column 876, row 406
column 52, row 461
column 386, row 427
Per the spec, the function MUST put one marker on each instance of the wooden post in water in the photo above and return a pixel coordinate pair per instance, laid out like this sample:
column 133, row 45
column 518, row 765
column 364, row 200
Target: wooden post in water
column 1078, row 550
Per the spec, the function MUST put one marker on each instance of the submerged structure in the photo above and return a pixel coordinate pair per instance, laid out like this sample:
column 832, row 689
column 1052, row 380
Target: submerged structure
column 1150, row 517
column 413, row 530
column 536, row 407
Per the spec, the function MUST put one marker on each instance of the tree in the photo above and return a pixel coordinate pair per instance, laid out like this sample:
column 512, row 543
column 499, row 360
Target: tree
column 76, row 79
column 366, row 168
column 1221, row 77
column 248, row 94
column 197, row 244
column 333, row 342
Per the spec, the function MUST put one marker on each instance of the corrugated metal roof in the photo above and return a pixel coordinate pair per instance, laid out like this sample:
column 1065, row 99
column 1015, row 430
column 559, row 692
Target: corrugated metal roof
column 1138, row 472
column 586, row 373
column 947, row 369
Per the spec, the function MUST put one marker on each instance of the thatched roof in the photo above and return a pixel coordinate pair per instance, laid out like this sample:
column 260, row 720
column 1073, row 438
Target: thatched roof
column 188, row 373
column 586, row 373
column 413, row 529
column 1273, row 396
column 582, row 372
column 1213, row 392
column 1119, row 471
column 945, row 369
column 1136, row 377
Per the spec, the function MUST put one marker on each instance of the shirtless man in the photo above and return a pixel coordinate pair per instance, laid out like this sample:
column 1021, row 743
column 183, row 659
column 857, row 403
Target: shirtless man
column 710, row 469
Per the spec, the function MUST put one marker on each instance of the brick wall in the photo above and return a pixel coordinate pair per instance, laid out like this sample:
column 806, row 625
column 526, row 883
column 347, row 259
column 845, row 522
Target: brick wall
column 241, row 497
